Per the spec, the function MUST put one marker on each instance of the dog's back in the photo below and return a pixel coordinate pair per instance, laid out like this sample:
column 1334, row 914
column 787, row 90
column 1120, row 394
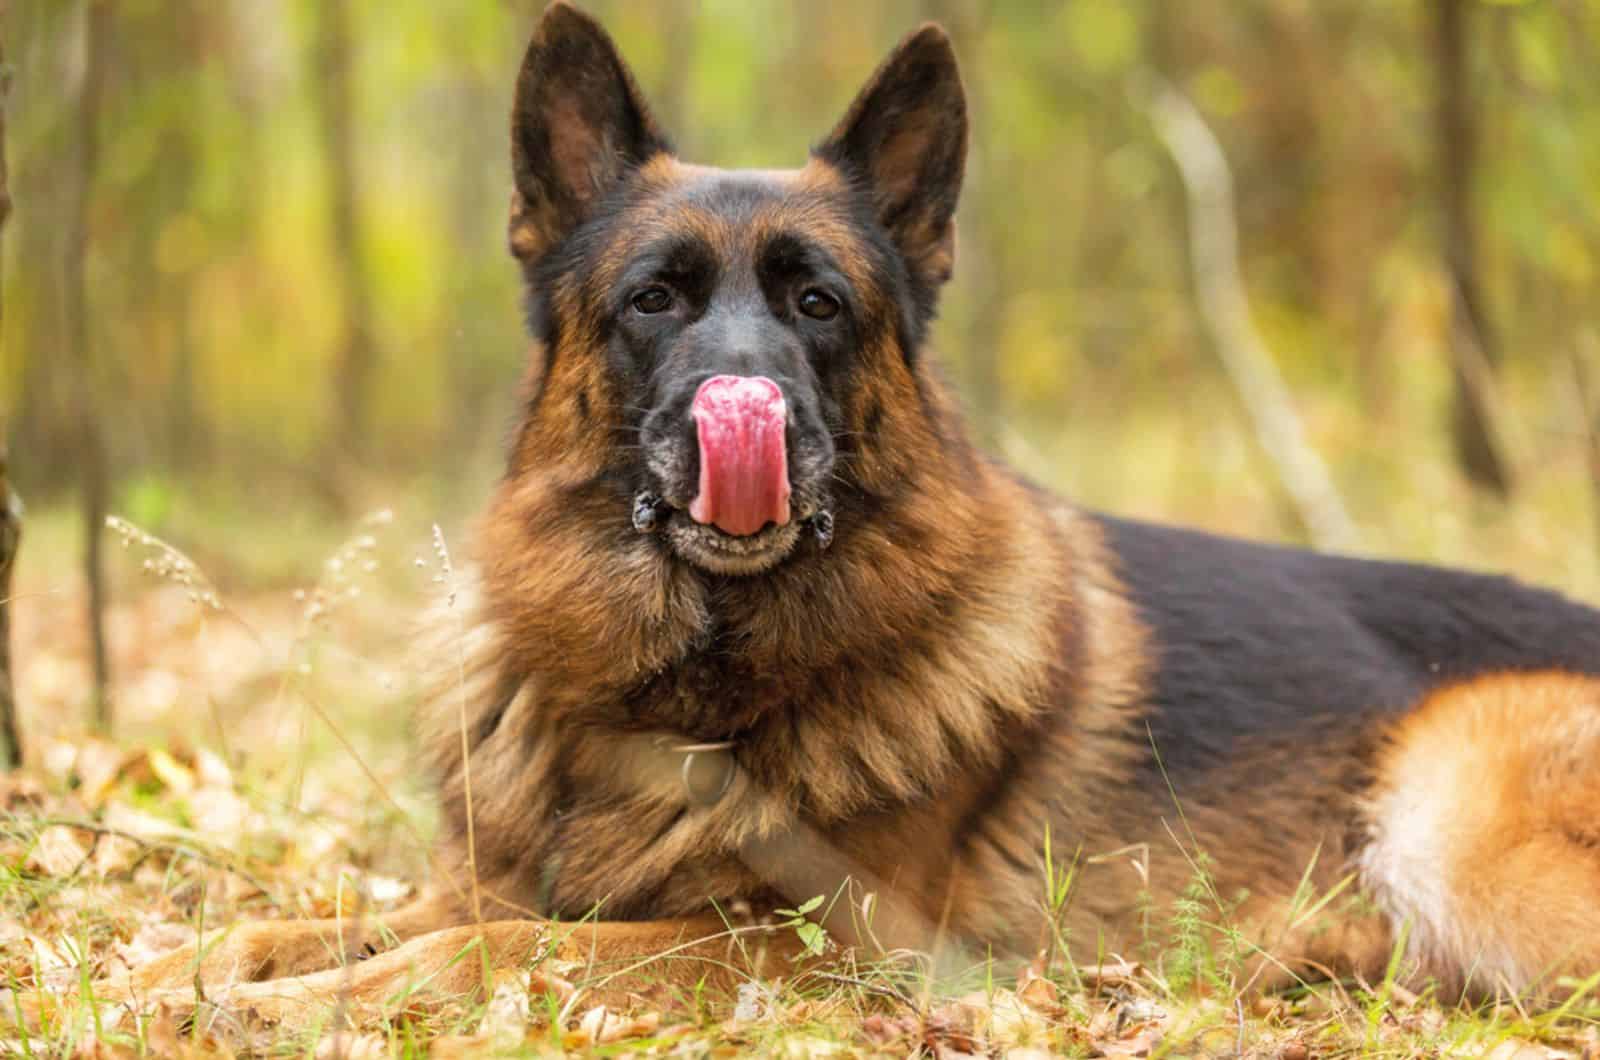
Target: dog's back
column 1431, row 730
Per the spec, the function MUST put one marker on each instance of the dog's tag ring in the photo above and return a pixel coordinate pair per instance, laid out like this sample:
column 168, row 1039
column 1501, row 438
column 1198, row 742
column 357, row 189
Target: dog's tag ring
column 645, row 512
column 707, row 773
column 822, row 526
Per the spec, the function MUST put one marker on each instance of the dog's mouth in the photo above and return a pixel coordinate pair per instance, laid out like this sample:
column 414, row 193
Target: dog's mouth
column 716, row 550
column 736, row 512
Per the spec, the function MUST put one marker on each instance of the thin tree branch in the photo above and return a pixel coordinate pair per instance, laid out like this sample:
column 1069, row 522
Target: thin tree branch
column 91, row 444
column 1479, row 442
column 1219, row 287
column 10, row 504
column 10, row 539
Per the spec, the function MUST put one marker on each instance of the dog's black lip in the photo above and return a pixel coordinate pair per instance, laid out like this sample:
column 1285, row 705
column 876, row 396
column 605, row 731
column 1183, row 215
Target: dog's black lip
column 719, row 537
column 717, row 552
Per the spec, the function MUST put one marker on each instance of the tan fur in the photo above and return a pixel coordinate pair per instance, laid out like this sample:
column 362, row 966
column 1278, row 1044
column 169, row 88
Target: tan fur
column 1485, row 830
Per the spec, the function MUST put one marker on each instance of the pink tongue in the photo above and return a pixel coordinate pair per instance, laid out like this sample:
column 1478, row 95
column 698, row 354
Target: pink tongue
column 744, row 469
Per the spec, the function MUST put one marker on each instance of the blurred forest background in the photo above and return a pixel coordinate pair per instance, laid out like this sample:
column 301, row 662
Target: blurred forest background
column 255, row 280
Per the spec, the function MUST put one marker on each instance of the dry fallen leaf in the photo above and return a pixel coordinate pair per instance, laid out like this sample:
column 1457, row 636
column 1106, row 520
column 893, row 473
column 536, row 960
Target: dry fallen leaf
column 173, row 774
column 755, row 1002
column 222, row 816
column 1039, row 994
column 386, row 890
column 1140, row 1010
column 505, row 1018
column 1111, row 974
column 547, row 982
column 640, row 1027
column 135, row 822
column 1518, row 1049
column 20, row 792
column 1142, row 1042
column 165, row 1035
column 804, row 1046
column 460, row 1047
column 155, row 936
column 55, row 759
column 211, row 770
column 114, row 855
column 1003, row 1019
column 601, row 1025
column 346, row 1046
column 90, row 1048
column 57, row 852
column 884, row 1030
column 97, row 765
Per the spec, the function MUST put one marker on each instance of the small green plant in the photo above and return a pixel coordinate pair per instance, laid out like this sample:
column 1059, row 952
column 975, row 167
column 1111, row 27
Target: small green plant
column 1059, row 879
column 1201, row 951
column 1378, row 1000
column 1188, row 958
column 811, row 934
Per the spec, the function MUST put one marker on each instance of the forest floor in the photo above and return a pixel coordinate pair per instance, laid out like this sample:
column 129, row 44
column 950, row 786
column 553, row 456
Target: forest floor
column 261, row 768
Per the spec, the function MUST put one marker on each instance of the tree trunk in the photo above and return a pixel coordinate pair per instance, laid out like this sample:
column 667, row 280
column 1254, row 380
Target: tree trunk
column 91, row 444
column 10, row 507
column 355, row 361
column 1473, row 352
column 1586, row 355
column 186, row 442
column 10, row 538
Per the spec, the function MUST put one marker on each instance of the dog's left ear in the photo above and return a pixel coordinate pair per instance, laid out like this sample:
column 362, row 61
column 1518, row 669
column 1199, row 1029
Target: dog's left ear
column 905, row 137
column 578, row 127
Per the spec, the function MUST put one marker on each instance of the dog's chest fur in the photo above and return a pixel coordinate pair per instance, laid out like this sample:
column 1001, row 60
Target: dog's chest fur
column 714, row 693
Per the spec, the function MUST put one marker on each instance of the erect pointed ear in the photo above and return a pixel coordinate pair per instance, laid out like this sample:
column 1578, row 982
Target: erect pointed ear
column 578, row 126
column 905, row 137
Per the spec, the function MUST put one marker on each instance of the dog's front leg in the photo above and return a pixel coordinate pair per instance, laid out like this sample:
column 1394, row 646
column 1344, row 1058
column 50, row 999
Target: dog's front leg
column 606, row 961
column 250, row 952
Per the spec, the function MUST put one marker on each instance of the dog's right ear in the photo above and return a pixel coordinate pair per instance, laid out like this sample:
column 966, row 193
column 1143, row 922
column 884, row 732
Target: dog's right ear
column 578, row 126
column 905, row 139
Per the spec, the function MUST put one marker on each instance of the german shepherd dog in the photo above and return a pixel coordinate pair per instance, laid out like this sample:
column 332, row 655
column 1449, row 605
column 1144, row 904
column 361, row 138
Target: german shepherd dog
column 754, row 621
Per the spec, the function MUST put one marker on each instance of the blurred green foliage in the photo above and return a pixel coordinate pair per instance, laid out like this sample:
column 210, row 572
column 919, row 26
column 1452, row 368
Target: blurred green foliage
column 214, row 273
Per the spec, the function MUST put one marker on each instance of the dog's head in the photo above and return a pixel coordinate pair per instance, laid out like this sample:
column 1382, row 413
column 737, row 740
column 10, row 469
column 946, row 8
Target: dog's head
column 738, row 344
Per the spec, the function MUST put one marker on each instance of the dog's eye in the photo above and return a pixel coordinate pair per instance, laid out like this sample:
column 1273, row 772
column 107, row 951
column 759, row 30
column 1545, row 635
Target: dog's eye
column 818, row 305
column 653, row 300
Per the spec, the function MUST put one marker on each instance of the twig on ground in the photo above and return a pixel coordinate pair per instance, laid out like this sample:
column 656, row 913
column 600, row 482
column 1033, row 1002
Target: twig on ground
column 147, row 844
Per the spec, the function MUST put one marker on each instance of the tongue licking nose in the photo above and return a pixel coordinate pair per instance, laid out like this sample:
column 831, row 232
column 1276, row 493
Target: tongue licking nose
column 744, row 468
